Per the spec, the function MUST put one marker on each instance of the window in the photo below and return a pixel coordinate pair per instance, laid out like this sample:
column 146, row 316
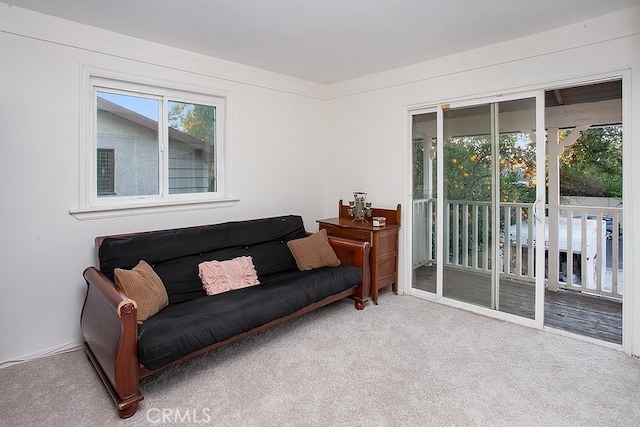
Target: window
column 150, row 146
column 104, row 169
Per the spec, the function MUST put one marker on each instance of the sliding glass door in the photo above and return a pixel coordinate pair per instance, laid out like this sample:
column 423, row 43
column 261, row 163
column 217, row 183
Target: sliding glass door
column 486, row 189
column 468, row 194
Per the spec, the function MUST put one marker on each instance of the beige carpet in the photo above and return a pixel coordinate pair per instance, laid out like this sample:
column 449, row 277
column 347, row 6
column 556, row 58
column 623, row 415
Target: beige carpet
column 406, row 362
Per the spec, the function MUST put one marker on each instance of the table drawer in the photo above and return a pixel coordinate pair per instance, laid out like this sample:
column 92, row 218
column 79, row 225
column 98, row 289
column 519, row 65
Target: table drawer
column 347, row 233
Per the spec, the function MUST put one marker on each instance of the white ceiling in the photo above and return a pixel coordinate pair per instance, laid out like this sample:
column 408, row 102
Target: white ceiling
column 327, row 40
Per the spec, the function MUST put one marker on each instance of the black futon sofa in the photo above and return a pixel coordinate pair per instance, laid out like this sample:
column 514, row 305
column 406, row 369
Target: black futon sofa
column 123, row 350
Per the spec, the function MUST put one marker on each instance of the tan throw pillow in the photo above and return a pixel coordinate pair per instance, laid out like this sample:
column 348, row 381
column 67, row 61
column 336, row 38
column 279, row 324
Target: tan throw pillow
column 143, row 285
column 222, row 276
column 313, row 251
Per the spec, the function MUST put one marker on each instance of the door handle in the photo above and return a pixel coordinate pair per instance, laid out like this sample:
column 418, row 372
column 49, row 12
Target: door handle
column 536, row 211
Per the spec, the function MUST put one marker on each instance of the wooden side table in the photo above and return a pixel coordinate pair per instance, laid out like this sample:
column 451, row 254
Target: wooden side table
column 383, row 240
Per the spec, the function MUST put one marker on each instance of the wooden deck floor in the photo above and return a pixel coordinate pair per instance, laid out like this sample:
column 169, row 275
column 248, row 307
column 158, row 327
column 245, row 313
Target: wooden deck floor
column 572, row 311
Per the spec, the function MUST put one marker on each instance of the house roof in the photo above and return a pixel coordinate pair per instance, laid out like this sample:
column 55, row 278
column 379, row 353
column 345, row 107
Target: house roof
column 132, row 116
column 327, row 41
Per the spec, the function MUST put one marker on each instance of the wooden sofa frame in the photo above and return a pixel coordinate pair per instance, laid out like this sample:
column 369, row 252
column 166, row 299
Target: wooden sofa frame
column 110, row 330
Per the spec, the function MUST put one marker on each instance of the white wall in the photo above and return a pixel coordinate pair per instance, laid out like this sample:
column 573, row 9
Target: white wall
column 278, row 132
column 298, row 146
column 369, row 115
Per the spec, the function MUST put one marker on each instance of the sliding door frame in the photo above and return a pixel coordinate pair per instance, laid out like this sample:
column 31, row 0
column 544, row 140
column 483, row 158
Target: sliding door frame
column 540, row 139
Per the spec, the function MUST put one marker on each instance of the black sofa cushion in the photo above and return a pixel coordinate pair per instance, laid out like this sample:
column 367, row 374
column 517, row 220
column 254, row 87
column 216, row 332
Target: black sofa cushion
column 175, row 254
column 180, row 329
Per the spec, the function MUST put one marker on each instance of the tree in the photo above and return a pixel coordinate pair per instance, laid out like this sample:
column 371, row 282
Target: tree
column 193, row 119
column 592, row 166
column 468, row 168
column 198, row 121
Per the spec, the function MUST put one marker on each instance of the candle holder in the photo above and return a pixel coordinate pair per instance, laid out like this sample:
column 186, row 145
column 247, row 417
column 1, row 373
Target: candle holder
column 359, row 208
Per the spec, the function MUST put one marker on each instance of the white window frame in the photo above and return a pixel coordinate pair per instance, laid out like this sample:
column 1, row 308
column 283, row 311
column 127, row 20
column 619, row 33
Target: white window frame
column 90, row 206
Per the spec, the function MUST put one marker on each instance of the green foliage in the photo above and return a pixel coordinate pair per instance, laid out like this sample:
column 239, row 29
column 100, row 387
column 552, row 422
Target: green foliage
column 419, row 191
column 592, row 166
column 193, row 119
column 468, row 168
column 198, row 121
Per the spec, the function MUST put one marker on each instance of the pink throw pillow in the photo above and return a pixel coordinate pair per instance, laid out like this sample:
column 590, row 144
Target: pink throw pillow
column 223, row 276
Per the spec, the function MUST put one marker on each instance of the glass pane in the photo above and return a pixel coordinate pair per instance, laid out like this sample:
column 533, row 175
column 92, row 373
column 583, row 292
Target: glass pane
column 424, row 136
column 489, row 170
column 517, row 165
column 128, row 126
column 191, row 148
column 468, row 176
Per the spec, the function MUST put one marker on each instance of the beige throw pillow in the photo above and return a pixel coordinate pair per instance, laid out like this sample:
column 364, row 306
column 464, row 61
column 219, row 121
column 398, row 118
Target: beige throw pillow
column 313, row 251
column 143, row 285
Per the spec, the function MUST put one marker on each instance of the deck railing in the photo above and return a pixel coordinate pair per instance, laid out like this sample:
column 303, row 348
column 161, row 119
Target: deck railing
column 424, row 232
column 587, row 247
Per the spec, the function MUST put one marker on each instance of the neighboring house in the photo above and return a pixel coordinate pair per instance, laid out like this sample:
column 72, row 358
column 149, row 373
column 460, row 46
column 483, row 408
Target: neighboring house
column 128, row 156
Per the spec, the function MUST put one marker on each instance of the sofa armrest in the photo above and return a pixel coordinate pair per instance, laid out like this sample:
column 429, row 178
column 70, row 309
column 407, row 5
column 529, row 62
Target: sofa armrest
column 110, row 330
column 354, row 252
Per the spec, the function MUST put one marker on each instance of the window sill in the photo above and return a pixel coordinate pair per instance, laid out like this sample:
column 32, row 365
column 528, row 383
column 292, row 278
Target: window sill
column 100, row 212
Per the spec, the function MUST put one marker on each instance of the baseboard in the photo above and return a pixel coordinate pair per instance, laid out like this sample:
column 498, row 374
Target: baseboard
column 65, row 348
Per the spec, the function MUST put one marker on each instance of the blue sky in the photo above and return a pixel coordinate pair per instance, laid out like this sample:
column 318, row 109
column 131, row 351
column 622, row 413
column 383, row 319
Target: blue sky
column 145, row 106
